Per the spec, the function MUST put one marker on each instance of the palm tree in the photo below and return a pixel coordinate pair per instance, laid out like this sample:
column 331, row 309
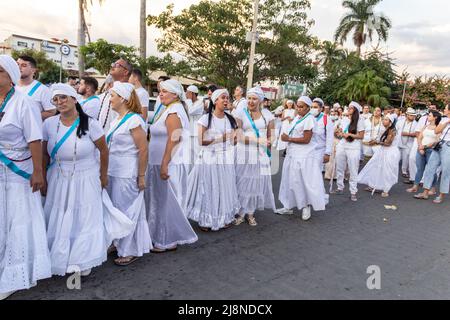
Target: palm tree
column 143, row 30
column 363, row 21
column 83, row 30
column 330, row 55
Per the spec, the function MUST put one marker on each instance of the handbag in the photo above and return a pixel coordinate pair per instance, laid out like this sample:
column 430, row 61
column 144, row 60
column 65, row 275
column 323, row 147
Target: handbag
column 438, row 146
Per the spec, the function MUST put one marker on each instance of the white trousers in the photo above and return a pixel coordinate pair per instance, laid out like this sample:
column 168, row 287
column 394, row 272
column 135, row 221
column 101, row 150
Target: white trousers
column 405, row 153
column 412, row 161
column 347, row 158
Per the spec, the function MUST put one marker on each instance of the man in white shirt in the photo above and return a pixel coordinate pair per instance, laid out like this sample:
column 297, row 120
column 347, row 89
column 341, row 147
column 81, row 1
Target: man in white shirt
column 366, row 113
column 89, row 101
column 144, row 97
column 406, row 130
column 120, row 71
column 323, row 134
column 195, row 108
column 239, row 103
column 39, row 93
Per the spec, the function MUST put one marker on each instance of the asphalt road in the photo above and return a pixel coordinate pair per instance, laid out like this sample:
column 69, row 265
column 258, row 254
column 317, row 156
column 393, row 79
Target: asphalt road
column 287, row 258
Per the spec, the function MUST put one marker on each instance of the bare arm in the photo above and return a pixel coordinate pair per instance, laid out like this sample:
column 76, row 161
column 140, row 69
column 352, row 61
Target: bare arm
column 48, row 114
column 140, row 141
column 174, row 127
column 37, row 177
column 104, row 160
column 307, row 135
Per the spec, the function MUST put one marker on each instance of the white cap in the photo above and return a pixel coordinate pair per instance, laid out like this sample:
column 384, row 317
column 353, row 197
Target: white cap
column 305, row 99
column 192, row 88
column 320, row 101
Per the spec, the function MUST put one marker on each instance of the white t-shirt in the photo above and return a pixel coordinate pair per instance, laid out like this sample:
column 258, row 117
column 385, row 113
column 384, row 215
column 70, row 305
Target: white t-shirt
column 239, row 105
column 373, row 131
column 143, row 96
column 261, row 124
column 20, row 125
column 106, row 113
column 217, row 128
column 355, row 144
column 86, row 150
column 195, row 113
column 42, row 97
column 91, row 106
column 446, row 133
column 297, row 131
column 422, row 123
column 123, row 153
column 324, row 135
column 407, row 127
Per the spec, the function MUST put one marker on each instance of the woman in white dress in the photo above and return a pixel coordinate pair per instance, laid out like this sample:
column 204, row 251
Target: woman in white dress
column 77, row 236
column 253, row 171
column 381, row 172
column 301, row 181
column 212, row 200
column 373, row 130
column 128, row 161
column 169, row 154
column 24, row 256
column 286, row 117
column 348, row 151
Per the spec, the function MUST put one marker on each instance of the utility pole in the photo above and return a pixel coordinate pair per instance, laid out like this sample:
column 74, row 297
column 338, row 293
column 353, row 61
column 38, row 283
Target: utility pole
column 254, row 36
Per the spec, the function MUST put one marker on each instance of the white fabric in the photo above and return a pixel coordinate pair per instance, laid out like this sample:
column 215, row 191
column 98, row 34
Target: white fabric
column 195, row 113
column 64, row 89
column 372, row 132
column 306, row 99
column 429, row 137
column 144, row 97
column 20, row 125
column 323, row 136
column 106, row 114
column 11, row 67
column 123, row 154
column 355, row 144
column 23, row 242
column 320, row 101
column 301, row 150
column 356, row 105
column 286, row 124
column 239, row 105
column 218, row 128
column 347, row 158
column 381, row 172
column 42, row 97
column 256, row 91
column 411, row 111
column 91, row 107
column 405, row 126
column 192, row 89
column 216, row 94
column 175, row 87
column 123, row 89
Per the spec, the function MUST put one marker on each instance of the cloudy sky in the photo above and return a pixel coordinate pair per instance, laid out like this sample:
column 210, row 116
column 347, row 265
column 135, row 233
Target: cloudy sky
column 419, row 39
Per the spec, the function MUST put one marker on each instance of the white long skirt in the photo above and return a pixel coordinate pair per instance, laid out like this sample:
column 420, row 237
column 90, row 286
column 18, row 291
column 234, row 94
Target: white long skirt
column 212, row 199
column 126, row 197
column 302, row 183
column 24, row 256
column 79, row 228
column 381, row 172
column 254, row 180
column 165, row 204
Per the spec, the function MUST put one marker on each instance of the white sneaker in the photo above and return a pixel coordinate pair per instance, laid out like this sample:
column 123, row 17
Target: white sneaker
column 306, row 213
column 284, row 211
column 5, row 295
column 85, row 273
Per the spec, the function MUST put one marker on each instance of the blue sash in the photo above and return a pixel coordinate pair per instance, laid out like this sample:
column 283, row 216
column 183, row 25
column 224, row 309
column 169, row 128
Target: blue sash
column 298, row 122
column 8, row 97
column 34, row 89
column 156, row 113
column 89, row 99
column 11, row 165
column 127, row 116
column 320, row 117
column 346, row 129
column 59, row 144
column 269, row 154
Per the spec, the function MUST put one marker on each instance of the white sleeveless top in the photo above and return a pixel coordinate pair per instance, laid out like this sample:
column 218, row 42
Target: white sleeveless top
column 429, row 137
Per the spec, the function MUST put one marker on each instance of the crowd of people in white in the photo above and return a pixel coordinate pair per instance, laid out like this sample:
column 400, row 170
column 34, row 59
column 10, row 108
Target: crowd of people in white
column 82, row 176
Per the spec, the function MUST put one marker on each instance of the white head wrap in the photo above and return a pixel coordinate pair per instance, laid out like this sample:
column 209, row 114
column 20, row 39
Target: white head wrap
column 175, row 87
column 256, row 91
column 305, row 99
column 356, row 105
column 123, row 89
column 193, row 89
column 11, row 67
column 391, row 117
column 290, row 102
column 336, row 105
column 320, row 101
column 64, row 89
column 216, row 94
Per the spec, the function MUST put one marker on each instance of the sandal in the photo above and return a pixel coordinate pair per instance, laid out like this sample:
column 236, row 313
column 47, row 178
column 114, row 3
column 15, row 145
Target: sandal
column 412, row 190
column 125, row 261
column 421, row 196
column 157, row 250
column 438, row 200
column 385, row 195
column 252, row 221
column 368, row 189
column 205, row 229
column 239, row 220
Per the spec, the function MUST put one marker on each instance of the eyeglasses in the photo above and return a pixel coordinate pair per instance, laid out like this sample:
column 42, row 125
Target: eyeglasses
column 62, row 97
column 117, row 65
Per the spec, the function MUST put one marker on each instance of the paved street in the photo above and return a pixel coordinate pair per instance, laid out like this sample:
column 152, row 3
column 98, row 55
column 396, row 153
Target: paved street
column 286, row 258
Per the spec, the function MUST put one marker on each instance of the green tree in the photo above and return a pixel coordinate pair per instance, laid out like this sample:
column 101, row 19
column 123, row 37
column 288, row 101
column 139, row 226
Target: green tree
column 331, row 55
column 48, row 70
column 100, row 54
column 211, row 38
column 363, row 22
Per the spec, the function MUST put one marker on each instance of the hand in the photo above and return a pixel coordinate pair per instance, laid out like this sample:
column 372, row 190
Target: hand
column 345, row 135
column 422, row 152
column 36, row 181
column 44, row 189
column 285, row 137
column 141, row 183
column 164, row 173
column 104, row 181
column 326, row 158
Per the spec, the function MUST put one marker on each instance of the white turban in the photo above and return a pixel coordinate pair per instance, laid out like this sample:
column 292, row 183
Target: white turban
column 216, row 94
column 123, row 89
column 356, row 105
column 173, row 86
column 305, row 99
column 11, row 67
column 320, row 101
column 391, row 117
column 256, row 91
column 290, row 102
column 64, row 89
column 192, row 89
column 336, row 105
